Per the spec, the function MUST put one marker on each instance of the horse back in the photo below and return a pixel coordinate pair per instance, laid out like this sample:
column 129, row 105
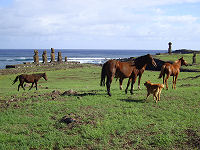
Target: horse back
column 111, row 66
column 171, row 69
column 125, row 69
column 29, row 78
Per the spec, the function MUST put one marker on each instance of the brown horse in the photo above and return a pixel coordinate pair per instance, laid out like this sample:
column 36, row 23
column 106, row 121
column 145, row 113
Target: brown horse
column 141, row 71
column 131, row 70
column 32, row 78
column 171, row 70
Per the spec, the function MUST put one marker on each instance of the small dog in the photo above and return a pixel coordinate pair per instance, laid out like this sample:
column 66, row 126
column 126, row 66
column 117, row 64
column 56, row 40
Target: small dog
column 154, row 89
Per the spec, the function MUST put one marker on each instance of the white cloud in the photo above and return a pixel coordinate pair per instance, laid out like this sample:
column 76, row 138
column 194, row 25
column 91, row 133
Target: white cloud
column 65, row 20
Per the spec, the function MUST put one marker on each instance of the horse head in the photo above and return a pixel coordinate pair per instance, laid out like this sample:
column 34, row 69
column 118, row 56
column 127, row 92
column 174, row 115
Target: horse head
column 151, row 60
column 44, row 76
column 183, row 62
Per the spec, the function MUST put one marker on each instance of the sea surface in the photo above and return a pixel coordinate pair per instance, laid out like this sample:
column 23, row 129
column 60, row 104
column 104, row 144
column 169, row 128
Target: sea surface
column 19, row 56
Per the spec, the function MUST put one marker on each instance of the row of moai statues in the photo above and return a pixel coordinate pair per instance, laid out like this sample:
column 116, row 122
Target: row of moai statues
column 44, row 56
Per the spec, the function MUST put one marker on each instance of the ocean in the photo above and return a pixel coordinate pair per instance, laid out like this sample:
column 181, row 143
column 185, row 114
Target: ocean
column 19, row 56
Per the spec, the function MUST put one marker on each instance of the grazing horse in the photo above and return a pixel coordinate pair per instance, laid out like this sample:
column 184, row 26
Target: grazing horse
column 32, row 78
column 121, row 70
column 171, row 70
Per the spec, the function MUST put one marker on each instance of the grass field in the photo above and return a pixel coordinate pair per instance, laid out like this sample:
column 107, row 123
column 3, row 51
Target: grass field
column 31, row 119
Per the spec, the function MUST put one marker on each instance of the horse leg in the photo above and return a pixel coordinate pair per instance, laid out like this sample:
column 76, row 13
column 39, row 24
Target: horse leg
column 167, row 77
column 36, row 85
column 164, row 79
column 31, row 86
column 175, row 81
column 108, row 86
column 108, row 83
column 147, row 95
column 140, row 75
column 120, row 83
column 159, row 94
column 19, row 87
column 155, row 96
column 22, row 85
column 127, row 85
column 132, row 83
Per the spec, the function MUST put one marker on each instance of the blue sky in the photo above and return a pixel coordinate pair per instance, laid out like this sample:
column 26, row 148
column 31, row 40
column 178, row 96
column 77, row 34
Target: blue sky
column 100, row 24
column 4, row 3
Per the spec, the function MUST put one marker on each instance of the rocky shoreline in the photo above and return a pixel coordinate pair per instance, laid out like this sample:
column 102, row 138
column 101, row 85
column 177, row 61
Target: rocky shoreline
column 31, row 67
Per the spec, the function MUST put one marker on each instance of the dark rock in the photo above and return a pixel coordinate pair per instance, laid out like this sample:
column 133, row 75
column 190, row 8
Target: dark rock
column 67, row 120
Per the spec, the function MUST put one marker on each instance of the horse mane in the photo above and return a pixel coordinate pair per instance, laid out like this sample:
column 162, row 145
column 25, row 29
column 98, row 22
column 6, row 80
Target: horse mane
column 141, row 58
column 179, row 60
column 39, row 73
column 140, row 61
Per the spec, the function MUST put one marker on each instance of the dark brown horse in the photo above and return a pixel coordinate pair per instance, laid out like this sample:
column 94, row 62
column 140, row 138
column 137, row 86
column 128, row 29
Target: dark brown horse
column 32, row 78
column 171, row 70
column 121, row 70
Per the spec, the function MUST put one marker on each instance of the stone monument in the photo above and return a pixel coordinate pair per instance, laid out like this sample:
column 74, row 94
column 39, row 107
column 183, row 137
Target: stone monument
column 66, row 59
column 59, row 57
column 36, row 57
column 194, row 58
column 170, row 48
column 44, row 57
column 52, row 55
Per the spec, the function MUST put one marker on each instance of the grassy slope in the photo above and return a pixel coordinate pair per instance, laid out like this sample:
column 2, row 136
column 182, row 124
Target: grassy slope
column 30, row 119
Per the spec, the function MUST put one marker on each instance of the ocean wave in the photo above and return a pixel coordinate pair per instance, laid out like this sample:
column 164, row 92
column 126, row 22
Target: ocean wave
column 88, row 60
column 94, row 60
column 18, row 59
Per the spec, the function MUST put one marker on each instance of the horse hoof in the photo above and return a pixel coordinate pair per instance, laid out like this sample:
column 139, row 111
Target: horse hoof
column 125, row 92
column 109, row 94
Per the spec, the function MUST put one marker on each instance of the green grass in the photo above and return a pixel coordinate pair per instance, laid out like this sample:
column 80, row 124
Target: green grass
column 31, row 119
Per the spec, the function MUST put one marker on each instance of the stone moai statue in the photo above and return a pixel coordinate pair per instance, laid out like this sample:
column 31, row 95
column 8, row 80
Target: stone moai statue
column 170, row 48
column 66, row 59
column 194, row 58
column 44, row 57
column 59, row 57
column 52, row 55
column 36, row 57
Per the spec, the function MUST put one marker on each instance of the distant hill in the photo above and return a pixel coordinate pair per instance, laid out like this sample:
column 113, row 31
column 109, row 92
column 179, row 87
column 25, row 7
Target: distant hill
column 185, row 51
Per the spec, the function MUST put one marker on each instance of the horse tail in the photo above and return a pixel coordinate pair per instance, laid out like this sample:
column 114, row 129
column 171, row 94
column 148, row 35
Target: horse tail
column 16, row 79
column 162, row 72
column 103, row 75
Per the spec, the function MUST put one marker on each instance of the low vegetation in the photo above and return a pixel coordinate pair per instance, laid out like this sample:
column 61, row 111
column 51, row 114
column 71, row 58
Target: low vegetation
column 32, row 119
